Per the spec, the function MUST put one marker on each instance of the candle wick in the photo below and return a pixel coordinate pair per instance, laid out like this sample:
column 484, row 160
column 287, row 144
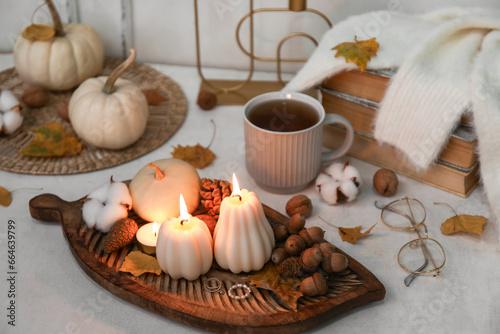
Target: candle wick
column 184, row 221
column 236, row 195
column 155, row 234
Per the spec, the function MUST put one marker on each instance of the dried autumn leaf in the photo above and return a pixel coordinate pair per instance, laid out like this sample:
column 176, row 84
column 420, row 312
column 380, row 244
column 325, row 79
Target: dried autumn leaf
column 198, row 156
column 463, row 223
column 5, row 197
column 38, row 32
column 138, row 263
column 269, row 278
column 353, row 234
column 51, row 140
column 154, row 97
column 357, row 52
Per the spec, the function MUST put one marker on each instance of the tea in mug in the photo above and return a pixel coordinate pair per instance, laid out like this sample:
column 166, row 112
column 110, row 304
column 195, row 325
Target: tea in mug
column 283, row 115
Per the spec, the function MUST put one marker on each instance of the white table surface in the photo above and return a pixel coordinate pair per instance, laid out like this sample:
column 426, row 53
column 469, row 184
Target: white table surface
column 53, row 295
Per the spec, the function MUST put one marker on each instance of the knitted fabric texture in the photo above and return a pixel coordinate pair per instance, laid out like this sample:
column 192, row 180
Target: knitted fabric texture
column 448, row 63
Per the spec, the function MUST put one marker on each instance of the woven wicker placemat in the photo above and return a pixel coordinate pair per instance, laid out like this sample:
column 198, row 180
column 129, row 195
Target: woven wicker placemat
column 163, row 122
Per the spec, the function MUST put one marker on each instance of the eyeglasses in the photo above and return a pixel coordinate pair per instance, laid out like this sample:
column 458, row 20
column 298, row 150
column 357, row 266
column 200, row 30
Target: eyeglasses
column 423, row 255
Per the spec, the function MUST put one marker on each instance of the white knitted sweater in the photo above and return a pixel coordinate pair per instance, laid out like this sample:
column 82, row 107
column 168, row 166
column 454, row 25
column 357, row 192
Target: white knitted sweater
column 448, row 60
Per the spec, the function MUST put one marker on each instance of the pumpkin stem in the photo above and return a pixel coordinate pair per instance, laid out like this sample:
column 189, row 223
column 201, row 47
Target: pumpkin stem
column 58, row 27
column 159, row 174
column 109, row 85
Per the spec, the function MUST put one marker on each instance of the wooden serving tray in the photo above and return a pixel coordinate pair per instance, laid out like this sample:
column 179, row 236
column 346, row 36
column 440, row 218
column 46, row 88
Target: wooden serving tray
column 187, row 301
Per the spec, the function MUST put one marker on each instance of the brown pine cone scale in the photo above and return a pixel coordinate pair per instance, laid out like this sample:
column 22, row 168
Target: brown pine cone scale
column 212, row 193
column 120, row 235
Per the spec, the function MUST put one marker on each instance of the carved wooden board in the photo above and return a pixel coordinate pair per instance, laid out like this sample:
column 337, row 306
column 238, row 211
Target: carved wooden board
column 187, row 301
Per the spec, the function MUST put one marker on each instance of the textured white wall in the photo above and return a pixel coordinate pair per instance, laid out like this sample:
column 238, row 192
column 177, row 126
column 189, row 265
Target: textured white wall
column 163, row 31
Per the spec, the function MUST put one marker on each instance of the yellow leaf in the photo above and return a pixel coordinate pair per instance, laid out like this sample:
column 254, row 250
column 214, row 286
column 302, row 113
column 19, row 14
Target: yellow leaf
column 51, row 140
column 357, row 52
column 5, row 197
column 138, row 263
column 198, row 156
column 38, row 32
column 352, row 234
column 464, row 223
column 269, row 278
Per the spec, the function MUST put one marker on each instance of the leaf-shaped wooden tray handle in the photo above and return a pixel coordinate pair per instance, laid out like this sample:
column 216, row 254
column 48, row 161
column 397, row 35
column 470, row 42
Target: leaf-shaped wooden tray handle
column 187, row 301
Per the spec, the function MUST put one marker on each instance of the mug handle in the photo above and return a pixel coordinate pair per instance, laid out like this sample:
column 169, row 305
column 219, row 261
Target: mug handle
column 346, row 145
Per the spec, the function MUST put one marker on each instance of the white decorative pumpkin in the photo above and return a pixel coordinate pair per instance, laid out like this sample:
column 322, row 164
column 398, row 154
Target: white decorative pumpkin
column 63, row 61
column 109, row 112
column 156, row 188
column 184, row 248
column 243, row 238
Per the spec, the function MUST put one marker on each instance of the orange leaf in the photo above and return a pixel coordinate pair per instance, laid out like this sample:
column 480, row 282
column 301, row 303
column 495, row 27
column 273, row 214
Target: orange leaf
column 51, row 140
column 5, row 197
column 38, row 32
column 352, row 234
column 138, row 263
column 198, row 156
column 357, row 52
column 269, row 278
column 154, row 97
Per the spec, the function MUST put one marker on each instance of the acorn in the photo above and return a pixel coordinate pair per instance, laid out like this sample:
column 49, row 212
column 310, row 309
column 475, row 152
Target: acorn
column 280, row 231
column 291, row 267
column 335, row 263
column 314, row 285
column 294, row 245
column 310, row 259
column 326, row 247
column 312, row 235
column 279, row 255
column 296, row 223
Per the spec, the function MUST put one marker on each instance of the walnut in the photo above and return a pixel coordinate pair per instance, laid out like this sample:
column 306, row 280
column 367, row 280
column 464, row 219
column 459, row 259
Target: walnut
column 299, row 204
column 35, row 97
column 385, row 182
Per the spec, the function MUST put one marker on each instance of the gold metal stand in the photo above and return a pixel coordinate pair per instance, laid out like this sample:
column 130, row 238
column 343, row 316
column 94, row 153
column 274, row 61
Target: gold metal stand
column 237, row 92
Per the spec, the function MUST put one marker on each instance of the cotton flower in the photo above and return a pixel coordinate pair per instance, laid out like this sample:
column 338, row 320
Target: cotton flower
column 338, row 182
column 106, row 205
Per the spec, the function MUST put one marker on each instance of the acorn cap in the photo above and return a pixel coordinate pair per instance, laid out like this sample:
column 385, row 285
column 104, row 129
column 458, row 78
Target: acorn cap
column 312, row 235
column 314, row 285
column 334, row 263
column 310, row 259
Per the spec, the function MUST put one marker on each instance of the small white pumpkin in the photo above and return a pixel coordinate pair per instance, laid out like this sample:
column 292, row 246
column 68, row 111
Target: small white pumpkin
column 156, row 188
column 109, row 112
column 73, row 54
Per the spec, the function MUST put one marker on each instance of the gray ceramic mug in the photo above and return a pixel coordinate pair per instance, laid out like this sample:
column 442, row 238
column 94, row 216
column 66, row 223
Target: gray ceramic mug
column 286, row 162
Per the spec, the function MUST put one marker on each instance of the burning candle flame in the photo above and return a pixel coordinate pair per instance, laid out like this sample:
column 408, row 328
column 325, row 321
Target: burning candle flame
column 155, row 228
column 236, row 188
column 184, row 217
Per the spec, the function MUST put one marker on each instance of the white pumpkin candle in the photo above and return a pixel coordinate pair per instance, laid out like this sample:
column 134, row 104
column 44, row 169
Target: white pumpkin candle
column 184, row 248
column 243, row 238
column 147, row 237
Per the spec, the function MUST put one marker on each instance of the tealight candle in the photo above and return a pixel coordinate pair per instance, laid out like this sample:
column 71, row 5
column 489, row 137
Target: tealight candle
column 147, row 236
column 185, row 247
column 243, row 238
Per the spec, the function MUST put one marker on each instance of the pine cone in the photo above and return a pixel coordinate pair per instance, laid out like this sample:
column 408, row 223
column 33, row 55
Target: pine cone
column 291, row 267
column 212, row 193
column 120, row 235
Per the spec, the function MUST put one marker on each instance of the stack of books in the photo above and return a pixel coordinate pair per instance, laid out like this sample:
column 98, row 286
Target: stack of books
column 357, row 95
